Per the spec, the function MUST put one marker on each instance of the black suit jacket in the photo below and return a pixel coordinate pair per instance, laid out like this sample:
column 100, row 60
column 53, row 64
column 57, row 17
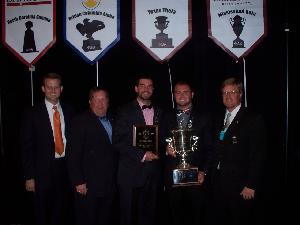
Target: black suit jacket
column 131, row 170
column 37, row 143
column 242, row 151
column 202, row 128
column 90, row 155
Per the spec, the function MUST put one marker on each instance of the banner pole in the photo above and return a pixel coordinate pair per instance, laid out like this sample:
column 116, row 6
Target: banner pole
column 1, row 127
column 245, row 82
column 31, row 69
column 171, row 85
column 97, row 71
column 287, row 30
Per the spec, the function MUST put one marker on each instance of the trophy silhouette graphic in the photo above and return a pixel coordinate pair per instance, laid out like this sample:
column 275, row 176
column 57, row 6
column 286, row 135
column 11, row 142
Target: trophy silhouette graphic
column 237, row 23
column 88, row 28
column 162, row 40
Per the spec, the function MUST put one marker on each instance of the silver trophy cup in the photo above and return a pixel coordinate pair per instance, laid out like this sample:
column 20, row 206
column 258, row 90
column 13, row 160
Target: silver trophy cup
column 184, row 142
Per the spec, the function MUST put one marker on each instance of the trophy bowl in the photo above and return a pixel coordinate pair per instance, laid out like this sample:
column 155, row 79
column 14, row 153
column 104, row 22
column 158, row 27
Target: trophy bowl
column 183, row 141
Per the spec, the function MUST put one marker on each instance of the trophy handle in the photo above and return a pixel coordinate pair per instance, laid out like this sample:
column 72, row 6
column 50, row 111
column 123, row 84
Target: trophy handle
column 194, row 145
column 169, row 141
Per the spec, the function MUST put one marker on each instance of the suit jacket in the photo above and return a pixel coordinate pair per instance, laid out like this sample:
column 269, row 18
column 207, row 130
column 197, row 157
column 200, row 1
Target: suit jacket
column 37, row 143
column 242, row 151
column 202, row 128
column 131, row 170
column 90, row 155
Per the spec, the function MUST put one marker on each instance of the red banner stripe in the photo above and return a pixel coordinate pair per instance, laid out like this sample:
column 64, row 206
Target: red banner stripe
column 29, row 3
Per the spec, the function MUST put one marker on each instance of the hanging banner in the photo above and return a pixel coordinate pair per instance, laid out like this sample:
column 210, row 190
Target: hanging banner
column 162, row 27
column 28, row 28
column 237, row 26
column 92, row 27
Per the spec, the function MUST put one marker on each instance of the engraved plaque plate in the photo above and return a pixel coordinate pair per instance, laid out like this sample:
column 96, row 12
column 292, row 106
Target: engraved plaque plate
column 145, row 137
column 185, row 177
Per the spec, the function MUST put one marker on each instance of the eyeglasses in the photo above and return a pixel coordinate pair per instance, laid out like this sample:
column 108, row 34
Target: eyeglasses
column 225, row 93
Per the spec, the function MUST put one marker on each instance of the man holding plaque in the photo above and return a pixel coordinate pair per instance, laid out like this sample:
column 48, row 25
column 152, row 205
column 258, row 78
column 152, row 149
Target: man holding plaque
column 139, row 172
column 188, row 147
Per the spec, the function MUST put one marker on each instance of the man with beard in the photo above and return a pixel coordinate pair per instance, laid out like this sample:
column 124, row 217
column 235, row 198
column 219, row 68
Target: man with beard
column 139, row 170
column 186, row 201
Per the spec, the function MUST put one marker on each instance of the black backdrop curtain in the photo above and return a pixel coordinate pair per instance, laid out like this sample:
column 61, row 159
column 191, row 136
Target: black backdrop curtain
column 200, row 61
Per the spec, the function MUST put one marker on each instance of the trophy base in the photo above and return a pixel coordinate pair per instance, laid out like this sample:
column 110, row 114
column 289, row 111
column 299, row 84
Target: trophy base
column 185, row 177
column 238, row 43
column 91, row 45
column 162, row 41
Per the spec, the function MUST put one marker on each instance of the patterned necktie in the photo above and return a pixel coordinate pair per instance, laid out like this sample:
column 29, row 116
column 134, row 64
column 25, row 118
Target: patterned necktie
column 227, row 122
column 58, row 140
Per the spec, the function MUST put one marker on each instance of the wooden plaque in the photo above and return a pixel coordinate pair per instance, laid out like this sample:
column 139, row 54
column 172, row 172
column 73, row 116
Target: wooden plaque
column 145, row 137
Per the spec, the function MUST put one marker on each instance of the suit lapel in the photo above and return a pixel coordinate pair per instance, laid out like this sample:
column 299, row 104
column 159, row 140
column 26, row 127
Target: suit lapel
column 157, row 115
column 45, row 119
column 137, row 113
column 100, row 126
column 234, row 124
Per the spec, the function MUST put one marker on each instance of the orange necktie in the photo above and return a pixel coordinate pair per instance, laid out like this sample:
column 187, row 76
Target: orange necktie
column 59, row 144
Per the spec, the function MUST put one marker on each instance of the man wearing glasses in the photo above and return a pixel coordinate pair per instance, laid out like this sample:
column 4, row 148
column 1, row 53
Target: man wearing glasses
column 240, row 147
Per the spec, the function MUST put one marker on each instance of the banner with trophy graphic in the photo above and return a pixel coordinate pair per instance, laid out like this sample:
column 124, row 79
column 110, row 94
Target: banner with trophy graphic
column 237, row 26
column 184, row 142
column 28, row 28
column 162, row 27
column 92, row 27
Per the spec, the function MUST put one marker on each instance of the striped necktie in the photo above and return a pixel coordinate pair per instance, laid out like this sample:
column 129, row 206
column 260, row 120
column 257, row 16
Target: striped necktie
column 227, row 121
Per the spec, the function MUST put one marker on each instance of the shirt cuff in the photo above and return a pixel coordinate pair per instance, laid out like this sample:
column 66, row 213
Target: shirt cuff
column 144, row 157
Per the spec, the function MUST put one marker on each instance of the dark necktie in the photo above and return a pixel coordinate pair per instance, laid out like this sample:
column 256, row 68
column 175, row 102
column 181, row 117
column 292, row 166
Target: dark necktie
column 147, row 107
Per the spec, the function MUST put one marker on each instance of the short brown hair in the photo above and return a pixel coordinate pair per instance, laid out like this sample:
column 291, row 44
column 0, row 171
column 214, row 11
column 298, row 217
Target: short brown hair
column 52, row 76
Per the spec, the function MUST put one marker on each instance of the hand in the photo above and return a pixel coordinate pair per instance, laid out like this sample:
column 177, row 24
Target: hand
column 81, row 189
column 149, row 156
column 170, row 151
column 247, row 193
column 201, row 177
column 30, row 185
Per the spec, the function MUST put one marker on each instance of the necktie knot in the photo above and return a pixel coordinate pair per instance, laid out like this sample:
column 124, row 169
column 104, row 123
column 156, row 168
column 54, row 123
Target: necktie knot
column 54, row 107
column 103, row 118
column 180, row 111
column 147, row 107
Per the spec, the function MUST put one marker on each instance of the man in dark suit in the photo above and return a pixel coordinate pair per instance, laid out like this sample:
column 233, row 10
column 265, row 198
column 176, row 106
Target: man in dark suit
column 240, row 148
column 43, row 141
column 186, row 201
column 91, row 161
column 139, row 171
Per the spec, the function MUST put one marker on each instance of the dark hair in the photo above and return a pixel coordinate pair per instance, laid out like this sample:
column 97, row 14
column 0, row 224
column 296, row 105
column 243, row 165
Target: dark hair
column 55, row 76
column 93, row 90
column 28, row 24
column 142, row 76
column 183, row 82
column 233, row 81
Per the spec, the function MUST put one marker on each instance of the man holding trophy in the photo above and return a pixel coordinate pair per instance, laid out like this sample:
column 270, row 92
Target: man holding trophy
column 188, row 146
